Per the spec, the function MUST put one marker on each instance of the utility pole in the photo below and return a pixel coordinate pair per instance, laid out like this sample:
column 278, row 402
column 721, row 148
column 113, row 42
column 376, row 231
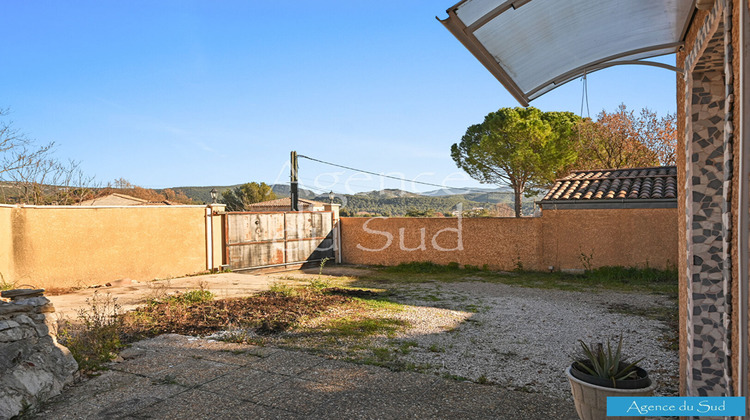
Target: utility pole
column 294, row 190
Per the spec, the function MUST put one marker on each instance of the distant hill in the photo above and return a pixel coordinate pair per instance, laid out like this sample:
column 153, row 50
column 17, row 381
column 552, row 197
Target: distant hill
column 463, row 191
column 387, row 193
column 390, row 202
column 285, row 190
column 203, row 194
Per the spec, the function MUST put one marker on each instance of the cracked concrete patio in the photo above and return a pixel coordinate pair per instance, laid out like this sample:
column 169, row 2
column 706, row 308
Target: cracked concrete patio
column 178, row 377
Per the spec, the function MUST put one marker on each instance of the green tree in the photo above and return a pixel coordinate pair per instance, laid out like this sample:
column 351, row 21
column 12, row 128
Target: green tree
column 239, row 198
column 420, row 213
column 521, row 147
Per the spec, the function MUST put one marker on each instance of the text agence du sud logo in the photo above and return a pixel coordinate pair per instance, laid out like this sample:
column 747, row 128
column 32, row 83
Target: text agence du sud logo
column 675, row 406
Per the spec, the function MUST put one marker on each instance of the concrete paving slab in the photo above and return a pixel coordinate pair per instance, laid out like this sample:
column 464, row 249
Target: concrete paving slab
column 186, row 348
column 112, row 395
column 193, row 404
column 341, row 373
column 357, row 405
column 136, row 391
column 398, row 384
column 70, row 410
column 464, row 400
column 195, row 372
column 288, row 362
column 154, row 365
column 243, row 383
column 299, row 396
column 236, row 357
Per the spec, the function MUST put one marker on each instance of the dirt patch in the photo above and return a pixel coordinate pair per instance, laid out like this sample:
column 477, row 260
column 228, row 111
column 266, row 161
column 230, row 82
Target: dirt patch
column 266, row 312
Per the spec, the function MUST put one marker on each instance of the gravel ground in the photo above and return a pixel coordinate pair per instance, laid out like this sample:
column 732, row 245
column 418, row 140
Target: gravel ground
column 523, row 338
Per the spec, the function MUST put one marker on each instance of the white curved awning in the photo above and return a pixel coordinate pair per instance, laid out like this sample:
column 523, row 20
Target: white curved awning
column 533, row 46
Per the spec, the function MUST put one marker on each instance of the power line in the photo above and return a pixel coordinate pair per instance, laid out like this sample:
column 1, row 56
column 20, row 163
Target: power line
column 381, row 175
column 348, row 183
column 314, row 189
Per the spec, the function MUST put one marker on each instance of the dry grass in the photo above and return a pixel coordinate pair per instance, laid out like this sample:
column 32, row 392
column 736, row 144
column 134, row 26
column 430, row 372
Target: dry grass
column 267, row 312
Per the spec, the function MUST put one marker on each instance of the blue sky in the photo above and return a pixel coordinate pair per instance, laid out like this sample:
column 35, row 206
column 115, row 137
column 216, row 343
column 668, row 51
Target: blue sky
column 177, row 93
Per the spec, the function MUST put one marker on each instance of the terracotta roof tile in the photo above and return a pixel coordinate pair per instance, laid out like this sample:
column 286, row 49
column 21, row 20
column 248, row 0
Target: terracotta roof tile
column 616, row 184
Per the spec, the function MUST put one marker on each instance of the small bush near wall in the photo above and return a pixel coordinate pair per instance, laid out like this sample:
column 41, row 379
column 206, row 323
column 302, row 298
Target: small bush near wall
column 632, row 274
column 613, row 278
column 427, row 267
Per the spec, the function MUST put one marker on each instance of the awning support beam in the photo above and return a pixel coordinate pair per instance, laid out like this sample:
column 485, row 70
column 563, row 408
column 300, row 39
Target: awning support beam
column 636, row 62
column 570, row 75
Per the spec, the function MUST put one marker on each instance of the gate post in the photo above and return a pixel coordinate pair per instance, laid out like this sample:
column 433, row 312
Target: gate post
column 214, row 234
column 336, row 230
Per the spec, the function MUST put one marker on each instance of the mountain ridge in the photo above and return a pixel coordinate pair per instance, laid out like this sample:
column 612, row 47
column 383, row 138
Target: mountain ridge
column 391, row 201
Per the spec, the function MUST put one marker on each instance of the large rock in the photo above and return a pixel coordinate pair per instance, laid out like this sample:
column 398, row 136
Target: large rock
column 33, row 366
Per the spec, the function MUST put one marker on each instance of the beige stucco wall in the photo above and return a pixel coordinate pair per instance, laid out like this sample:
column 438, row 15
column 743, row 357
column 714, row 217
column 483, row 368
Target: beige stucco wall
column 612, row 237
column 6, row 245
column 74, row 246
column 497, row 242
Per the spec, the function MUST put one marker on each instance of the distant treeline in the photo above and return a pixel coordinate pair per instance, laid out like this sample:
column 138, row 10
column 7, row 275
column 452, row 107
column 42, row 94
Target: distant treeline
column 401, row 206
column 386, row 203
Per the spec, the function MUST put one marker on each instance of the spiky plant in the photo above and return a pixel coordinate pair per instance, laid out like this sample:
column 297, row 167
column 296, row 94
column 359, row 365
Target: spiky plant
column 606, row 363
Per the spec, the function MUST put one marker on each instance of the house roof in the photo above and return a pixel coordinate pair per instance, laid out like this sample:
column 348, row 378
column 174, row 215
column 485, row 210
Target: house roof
column 117, row 199
column 285, row 202
column 114, row 199
column 623, row 188
column 534, row 46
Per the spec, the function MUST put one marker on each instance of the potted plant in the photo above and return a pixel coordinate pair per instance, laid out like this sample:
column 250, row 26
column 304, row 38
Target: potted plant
column 601, row 372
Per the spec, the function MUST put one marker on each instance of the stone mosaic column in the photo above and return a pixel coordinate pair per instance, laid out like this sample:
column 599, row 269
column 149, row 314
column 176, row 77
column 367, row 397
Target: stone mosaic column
column 708, row 178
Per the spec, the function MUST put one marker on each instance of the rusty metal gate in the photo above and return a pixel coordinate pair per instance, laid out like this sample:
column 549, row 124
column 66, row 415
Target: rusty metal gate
column 255, row 240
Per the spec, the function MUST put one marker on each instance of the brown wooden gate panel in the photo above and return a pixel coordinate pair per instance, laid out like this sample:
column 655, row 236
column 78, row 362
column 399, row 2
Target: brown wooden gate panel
column 256, row 240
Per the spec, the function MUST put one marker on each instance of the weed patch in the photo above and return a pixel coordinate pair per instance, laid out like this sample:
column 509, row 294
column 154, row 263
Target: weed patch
column 604, row 278
column 436, row 349
column 268, row 312
column 406, row 346
column 191, row 297
column 4, row 284
column 376, row 299
column 95, row 339
column 364, row 327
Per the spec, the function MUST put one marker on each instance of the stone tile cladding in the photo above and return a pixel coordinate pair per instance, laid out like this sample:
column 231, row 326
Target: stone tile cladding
column 616, row 184
column 708, row 176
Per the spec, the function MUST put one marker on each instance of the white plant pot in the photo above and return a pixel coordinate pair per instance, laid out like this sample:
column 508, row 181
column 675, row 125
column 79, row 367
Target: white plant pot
column 591, row 400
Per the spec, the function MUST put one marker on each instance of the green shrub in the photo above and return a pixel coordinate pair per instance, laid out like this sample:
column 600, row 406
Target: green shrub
column 192, row 297
column 319, row 284
column 283, row 290
column 96, row 339
column 633, row 274
column 364, row 327
column 423, row 267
